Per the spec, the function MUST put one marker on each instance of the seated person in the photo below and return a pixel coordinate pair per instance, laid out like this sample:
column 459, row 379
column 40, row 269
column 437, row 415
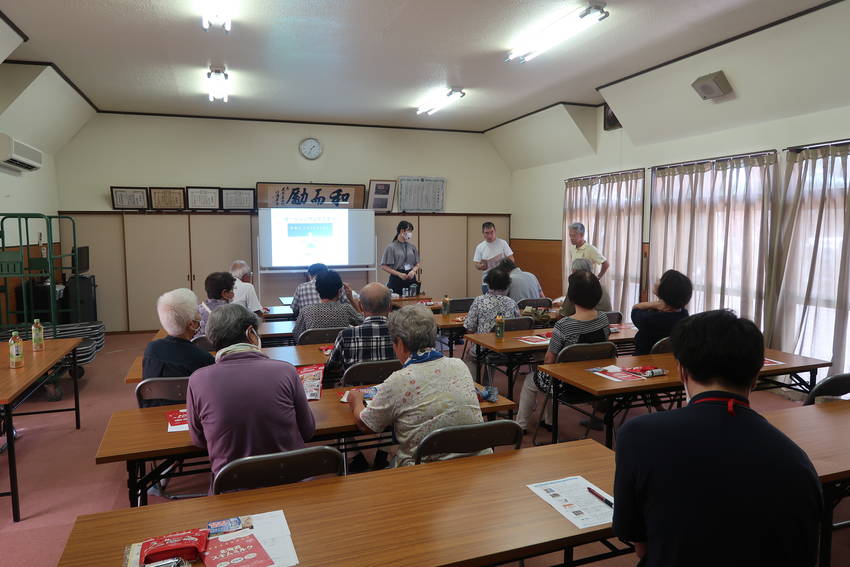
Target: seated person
column 485, row 308
column 368, row 341
column 655, row 319
column 444, row 392
column 714, row 483
column 524, row 285
column 245, row 404
column 306, row 294
column 330, row 311
column 586, row 325
column 567, row 307
column 175, row 355
column 244, row 293
column 219, row 287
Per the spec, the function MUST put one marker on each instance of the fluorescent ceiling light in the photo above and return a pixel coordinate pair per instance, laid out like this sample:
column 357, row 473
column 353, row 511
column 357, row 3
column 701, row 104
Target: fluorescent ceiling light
column 217, row 13
column 217, row 84
column 440, row 100
column 539, row 40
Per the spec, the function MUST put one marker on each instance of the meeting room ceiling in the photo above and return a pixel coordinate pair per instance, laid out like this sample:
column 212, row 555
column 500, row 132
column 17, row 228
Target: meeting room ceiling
column 363, row 61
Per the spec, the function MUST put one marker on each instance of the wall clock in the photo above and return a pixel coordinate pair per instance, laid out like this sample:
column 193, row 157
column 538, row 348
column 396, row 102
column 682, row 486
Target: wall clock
column 310, row 148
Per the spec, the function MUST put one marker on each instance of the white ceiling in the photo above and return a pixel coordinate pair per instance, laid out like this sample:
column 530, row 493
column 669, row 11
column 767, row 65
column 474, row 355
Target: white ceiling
column 363, row 61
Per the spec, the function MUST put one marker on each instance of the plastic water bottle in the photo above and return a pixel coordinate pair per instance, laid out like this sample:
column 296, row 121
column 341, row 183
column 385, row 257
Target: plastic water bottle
column 444, row 308
column 500, row 327
column 37, row 335
column 16, row 351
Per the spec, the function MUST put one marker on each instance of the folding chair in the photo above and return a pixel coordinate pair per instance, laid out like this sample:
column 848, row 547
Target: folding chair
column 469, row 438
column 278, row 468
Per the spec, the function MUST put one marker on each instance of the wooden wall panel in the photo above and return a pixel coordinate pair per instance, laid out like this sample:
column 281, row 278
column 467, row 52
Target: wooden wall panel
column 474, row 236
column 544, row 259
column 442, row 256
column 217, row 240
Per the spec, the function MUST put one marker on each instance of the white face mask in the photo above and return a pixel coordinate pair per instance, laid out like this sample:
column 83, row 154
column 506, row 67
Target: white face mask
column 408, row 236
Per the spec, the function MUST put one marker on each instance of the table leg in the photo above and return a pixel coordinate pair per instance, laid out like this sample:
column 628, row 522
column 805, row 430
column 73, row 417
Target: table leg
column 132, row 483
column 608, row 421
column 478, row 350
column 13, row 469
column 813, row 379
column 451, row 344
column 825, row 551
column 555, row 404
column 74, row 373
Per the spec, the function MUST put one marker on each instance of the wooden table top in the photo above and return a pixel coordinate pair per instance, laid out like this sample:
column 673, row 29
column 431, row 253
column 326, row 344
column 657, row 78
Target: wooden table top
column 286, row 300
column 510, row 343
column 821, row 431
column 14, row 381
column 469, row 511
column 300, row 355
column 576, row 373
column 143, row 433
column 276, row 329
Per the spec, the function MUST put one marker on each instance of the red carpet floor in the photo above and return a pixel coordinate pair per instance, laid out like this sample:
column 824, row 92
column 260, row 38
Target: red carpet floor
column 59, row 479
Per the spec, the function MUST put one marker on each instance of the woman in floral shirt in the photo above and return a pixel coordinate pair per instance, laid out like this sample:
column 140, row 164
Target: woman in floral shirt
column 484, row 310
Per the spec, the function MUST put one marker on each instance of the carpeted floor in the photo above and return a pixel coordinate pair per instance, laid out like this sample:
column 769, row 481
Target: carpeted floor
column 59, row 479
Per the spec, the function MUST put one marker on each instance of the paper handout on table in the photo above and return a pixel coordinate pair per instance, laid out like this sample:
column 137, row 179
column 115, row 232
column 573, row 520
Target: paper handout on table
column 534, row 340
column 613, row 372
column 771, row 362
column 572, row 499
column 368, row 394
column 178, row 420
column 311, row 379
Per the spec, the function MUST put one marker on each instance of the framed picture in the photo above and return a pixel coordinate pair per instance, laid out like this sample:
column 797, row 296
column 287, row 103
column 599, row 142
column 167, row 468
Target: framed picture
column 168, row 198
column 129, row 198
column 237, row 199
column 381, row 194
column 203, row 198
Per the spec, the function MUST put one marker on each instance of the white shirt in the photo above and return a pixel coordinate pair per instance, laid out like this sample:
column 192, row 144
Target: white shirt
column 588, row 251
column 245, row 295
column 492, row 253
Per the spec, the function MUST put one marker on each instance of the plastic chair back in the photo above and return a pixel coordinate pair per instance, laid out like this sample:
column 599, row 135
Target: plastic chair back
column 278, row 468
column 519, row 323
column 319, row 336
column 614, row 317
column 662, row 346
column 836, row 385
column 543, row 302
column 373, row 372
column 161, row 391
column 587, row 351
column 469, row 438
column 460, row 305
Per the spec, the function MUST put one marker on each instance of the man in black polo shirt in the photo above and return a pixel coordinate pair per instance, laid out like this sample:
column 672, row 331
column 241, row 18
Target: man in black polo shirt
column 714, row 483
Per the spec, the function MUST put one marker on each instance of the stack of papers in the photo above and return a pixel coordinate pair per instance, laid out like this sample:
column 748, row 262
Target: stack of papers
column 178, row 420
column 613, row 372
column 534, row 340
column 573, row 497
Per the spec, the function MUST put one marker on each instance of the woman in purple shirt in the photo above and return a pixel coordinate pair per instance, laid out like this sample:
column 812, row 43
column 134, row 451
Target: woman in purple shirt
column 245, row 404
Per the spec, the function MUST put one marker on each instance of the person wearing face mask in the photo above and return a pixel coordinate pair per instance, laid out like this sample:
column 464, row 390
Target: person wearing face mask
column 219, row 288
column 175, row 355
column 401, row 259
column 245, row 404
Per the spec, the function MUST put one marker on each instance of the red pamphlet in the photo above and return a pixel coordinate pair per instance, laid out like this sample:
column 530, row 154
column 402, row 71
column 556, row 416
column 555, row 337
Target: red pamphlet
column 187, row 545
column 244, row 550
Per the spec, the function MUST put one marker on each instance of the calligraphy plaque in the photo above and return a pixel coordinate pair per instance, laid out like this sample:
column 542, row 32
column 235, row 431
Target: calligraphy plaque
column 310, row 195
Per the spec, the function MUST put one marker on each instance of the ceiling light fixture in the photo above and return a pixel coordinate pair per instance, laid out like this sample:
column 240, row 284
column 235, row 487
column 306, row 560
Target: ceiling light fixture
column 539, row 40
column 217, row 13
column 441, row 100
column 217, row 84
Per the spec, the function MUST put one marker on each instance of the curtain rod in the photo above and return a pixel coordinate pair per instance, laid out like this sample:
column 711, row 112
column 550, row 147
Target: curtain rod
column 798, row 149
column 712, row 160
column 622, row 172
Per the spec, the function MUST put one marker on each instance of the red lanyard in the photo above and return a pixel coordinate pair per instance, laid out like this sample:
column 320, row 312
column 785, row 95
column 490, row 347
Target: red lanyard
column 730, row 403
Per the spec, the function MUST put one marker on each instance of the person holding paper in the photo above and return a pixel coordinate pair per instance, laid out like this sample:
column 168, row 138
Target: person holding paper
column 490, row 252
column 580, row 248
column 401, row 259
column 714, row 483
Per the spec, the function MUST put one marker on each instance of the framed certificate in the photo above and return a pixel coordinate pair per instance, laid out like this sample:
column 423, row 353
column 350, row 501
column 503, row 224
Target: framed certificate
column 203, row 198
column 129, row 198
column 238, row 199
column 168, row 198
column 381, row 193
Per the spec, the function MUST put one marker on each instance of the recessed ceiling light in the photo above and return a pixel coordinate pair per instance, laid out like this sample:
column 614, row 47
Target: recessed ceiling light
column 217, row 13
column 217, row 84
column 439, row 100
column 536, row 41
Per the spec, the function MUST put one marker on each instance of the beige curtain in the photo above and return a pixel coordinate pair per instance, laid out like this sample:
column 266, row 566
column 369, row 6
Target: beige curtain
column 611, row 208
column 708, row 221
column 809, row 295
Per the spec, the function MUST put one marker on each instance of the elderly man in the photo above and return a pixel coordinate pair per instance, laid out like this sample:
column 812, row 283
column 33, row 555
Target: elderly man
column 175, row 355
column 580, row 248
column 368, row 341
column 490, row 252
column 524, row 285
column 431, row 391
column 244, row 293
column 245, row 404
column 306, row 293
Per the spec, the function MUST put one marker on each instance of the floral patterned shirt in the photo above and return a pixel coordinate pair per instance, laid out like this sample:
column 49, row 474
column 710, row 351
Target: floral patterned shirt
column 484, row 310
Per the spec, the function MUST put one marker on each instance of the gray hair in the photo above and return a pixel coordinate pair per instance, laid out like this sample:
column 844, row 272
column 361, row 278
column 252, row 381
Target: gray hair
column 176, row 309
column 374, row 302
column 239, row 268
column 580, row 264
column 227, row 325
column 576, row 226
column 414, row 326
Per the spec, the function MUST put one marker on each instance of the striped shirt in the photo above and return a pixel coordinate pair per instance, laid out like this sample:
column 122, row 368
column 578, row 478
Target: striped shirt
column 568, row 330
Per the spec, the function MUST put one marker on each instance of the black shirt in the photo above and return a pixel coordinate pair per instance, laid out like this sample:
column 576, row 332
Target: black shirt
column 653, row 326
column 173, row 357
column 703, row 487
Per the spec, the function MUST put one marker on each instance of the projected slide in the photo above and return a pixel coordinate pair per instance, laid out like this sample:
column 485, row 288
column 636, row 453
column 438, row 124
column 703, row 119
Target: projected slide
column 300, row 237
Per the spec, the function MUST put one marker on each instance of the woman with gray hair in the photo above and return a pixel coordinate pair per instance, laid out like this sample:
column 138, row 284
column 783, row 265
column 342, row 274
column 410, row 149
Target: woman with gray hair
column 245, row 404
column 429, row 392
column 175, row 355
column 568, row 308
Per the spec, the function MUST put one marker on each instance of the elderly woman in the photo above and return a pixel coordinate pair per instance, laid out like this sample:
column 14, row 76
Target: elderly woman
column 245, row 404
column 175, row 355
column 656, row 319
column 484, row 310
column 429, row 392
column 568, row 308
column 330, row 311
column 219, row 288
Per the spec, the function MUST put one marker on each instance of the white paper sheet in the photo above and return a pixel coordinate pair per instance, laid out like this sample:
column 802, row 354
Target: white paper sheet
column 570, row 497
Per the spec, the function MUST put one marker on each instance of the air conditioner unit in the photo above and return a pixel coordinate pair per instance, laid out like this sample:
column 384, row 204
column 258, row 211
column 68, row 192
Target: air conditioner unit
column 18, row 156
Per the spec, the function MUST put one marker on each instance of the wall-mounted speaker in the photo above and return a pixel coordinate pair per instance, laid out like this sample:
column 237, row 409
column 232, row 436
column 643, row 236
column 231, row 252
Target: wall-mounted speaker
column 609, row 119
column 713, row 85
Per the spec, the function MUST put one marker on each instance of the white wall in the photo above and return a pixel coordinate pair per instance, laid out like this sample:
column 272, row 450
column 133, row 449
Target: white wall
column 538, row 192
column 150, row 151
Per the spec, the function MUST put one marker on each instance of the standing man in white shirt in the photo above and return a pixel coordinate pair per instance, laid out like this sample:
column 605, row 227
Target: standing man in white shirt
column 244, row 293
column 490, row 252
column 580, row 248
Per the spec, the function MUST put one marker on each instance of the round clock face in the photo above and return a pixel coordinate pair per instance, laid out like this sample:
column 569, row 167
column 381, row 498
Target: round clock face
column 310, row 148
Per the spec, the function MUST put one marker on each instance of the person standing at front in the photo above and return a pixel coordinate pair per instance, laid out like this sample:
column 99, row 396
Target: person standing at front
column 580, row 248
column 490, row 252
column 401, row 259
